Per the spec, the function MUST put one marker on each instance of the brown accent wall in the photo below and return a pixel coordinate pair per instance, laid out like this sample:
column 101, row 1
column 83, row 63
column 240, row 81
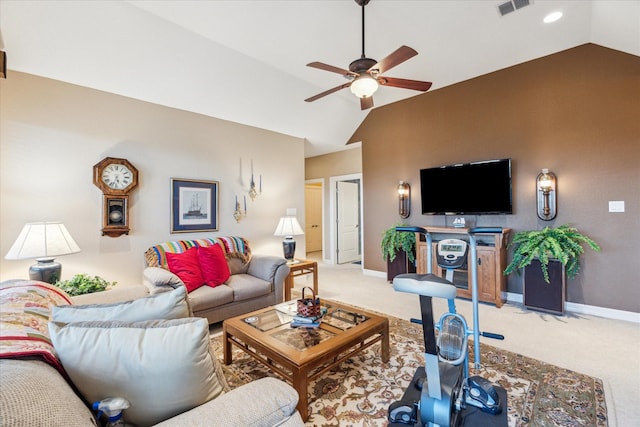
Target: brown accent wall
column 576, row 112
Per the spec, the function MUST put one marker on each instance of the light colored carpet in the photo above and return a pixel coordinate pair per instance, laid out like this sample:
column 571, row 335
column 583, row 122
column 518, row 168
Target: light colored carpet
column 602, row 348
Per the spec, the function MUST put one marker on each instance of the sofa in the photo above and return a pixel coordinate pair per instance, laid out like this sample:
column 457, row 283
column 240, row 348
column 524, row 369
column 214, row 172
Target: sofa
column 40, row 385
column 255, row 281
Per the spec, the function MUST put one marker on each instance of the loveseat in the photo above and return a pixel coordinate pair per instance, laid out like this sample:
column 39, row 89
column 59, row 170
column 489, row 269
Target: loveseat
column 255, row 281
column 41, row 386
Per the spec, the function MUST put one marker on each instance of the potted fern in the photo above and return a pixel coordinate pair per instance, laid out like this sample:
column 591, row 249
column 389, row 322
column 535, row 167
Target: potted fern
column 547, row 256
column 81, row 284
column 399, row 250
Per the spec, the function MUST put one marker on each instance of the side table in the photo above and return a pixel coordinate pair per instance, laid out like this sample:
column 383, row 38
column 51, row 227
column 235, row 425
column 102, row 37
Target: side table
column 299, row 268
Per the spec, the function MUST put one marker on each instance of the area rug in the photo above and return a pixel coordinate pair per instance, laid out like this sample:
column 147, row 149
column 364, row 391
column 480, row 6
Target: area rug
column 360, row 390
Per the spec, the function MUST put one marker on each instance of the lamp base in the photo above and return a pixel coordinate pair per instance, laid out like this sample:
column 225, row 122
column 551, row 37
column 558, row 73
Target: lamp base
column 46, row 270
column 289, row 248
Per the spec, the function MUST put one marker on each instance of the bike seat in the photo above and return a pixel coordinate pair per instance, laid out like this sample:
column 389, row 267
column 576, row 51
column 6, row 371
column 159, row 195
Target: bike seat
column 428, row 285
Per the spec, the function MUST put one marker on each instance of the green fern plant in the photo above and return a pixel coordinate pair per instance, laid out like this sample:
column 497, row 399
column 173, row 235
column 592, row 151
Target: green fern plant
column 563, row 243
column 81, row 284
column 395, row 241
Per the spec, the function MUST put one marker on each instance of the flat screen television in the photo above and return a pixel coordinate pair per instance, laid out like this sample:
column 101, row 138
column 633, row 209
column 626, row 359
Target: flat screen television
column 478, row 188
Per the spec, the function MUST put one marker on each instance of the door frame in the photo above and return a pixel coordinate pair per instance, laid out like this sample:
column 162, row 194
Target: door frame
column 333, row 238
column 321, row 182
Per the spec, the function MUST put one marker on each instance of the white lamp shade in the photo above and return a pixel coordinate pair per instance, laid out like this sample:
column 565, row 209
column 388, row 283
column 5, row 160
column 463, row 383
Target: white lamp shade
column 288, row 226
column 364, row 86
column 43, row 240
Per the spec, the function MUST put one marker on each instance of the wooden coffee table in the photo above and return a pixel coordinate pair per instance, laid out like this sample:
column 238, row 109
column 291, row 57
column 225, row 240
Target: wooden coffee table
column 302, row 355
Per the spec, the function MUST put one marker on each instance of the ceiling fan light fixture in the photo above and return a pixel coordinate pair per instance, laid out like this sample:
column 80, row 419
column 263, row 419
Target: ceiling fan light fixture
column 364, row 86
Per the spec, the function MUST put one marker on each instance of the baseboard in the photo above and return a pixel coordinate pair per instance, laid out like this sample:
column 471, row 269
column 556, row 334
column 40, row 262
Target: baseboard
column 592, row 310
column 374, row 273
column 608, row 313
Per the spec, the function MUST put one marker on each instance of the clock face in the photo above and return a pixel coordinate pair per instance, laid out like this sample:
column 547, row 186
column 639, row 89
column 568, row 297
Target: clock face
column 117, row 176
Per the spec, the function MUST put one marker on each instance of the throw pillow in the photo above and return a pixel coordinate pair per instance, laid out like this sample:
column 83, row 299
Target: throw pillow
column 213, row 264
column 162, row 367
column 187, row 267
column 166, row 305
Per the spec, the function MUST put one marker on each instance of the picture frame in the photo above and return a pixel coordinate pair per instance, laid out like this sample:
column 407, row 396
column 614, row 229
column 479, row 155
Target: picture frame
column 194, row 205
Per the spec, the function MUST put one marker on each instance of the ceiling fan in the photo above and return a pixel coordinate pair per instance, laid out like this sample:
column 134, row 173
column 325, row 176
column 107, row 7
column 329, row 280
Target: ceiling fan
column 364, row 74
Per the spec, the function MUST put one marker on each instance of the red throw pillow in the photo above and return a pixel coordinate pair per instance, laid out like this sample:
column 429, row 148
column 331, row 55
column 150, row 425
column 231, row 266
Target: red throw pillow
column 213, row 264
column 187, row 267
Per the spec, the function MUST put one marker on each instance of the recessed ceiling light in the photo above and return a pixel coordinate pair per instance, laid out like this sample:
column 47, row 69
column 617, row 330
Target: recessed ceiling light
column 552, row 17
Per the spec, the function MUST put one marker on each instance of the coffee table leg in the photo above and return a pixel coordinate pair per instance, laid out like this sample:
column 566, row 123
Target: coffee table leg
column 384, row 344
column 226, row 348
column 301, row 383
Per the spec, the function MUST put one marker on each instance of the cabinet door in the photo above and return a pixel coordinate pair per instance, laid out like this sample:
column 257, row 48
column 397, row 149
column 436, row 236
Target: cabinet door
column 421, row 257
column 486, row 274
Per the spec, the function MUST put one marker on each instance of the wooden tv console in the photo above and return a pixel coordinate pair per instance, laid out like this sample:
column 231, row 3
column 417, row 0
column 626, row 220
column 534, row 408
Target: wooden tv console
column 492, row 260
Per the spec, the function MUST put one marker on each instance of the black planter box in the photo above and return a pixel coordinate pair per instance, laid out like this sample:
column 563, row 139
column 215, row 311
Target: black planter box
column 540, row 295
column 400, row 265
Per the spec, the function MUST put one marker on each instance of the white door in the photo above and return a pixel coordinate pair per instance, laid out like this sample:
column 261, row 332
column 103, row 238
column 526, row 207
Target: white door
column 313, row 217
column 348, row 222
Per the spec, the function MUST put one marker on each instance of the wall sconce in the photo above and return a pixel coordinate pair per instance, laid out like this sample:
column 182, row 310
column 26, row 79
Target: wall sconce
column 238, row 214
column 404, row 199
column 546, row 191
column 253, row 192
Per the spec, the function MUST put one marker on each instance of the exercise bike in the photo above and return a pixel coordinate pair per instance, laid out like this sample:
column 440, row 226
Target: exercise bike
column 442, row 394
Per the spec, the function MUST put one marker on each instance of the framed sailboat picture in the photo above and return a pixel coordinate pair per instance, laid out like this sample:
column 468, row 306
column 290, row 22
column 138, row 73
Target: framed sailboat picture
column 194, row 205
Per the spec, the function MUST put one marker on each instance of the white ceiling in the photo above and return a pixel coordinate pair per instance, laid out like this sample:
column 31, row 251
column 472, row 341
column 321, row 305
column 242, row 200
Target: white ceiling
column 244, row 61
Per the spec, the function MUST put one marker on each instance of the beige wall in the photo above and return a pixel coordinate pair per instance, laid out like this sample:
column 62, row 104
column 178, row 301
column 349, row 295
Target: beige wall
column 576, row 112
column 52, row 133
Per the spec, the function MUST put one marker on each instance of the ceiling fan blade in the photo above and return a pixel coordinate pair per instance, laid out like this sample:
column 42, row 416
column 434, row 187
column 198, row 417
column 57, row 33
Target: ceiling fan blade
column 327, row 92
column 331, row 68
column 396, row 57
column 366, row 103
column 405, row 83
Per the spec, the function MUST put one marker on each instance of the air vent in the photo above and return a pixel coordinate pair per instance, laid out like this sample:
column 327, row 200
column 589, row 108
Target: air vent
column 512, row 6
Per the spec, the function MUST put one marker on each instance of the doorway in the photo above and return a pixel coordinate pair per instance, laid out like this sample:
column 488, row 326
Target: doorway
column 314, row 216
column 345, row 219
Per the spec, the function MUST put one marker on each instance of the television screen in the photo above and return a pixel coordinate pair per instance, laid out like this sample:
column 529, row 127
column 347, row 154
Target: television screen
column 471, row 188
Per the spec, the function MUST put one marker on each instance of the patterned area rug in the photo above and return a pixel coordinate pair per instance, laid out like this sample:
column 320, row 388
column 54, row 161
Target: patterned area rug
column 359, row 391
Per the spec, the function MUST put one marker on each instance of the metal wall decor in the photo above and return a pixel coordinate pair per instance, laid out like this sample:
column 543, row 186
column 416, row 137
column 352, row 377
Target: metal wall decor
column 238, row 213
column 253, row 192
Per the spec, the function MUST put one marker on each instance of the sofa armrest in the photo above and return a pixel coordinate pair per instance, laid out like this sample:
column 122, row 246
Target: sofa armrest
column 272, row 269
column 158, row 280
column 114, row 295
column 265, row 402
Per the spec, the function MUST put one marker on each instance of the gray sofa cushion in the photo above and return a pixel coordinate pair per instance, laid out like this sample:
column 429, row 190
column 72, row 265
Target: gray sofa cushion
column 246, row 287
column 33, row 393
column 264, row 402
column 162, row 367
column 206, row 297
column 166, row 305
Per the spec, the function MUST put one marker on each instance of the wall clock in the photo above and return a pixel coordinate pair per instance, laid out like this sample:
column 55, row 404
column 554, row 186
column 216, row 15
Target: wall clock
column 115, row 178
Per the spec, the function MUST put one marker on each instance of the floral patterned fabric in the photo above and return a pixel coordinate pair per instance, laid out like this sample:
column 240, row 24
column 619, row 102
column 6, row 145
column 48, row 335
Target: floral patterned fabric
column 25, row 310
column 360, row 390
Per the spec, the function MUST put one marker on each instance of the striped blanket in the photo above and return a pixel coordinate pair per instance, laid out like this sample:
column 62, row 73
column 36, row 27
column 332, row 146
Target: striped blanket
column 233, row 247
column 25, row 310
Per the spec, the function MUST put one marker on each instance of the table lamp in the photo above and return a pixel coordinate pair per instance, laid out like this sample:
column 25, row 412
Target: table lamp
column 288, row 226
column 43, row 241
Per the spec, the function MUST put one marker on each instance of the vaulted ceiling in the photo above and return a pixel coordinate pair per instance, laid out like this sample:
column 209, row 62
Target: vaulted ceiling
column 245, row 61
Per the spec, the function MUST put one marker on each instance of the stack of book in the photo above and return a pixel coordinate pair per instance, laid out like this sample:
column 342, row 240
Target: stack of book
column 305, row 322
